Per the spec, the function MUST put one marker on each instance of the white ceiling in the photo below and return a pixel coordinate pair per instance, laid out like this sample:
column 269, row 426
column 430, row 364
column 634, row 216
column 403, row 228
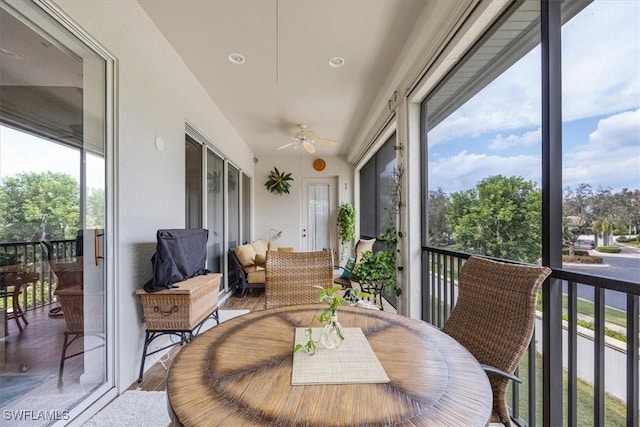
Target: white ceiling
column 286, row 79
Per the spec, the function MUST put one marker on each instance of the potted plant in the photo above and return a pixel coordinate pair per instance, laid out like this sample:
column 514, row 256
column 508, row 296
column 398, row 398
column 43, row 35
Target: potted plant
column 278, row 182
column 346, row 225
column 377, row 271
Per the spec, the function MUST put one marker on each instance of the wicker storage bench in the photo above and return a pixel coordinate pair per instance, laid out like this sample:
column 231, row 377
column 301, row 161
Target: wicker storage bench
column 182, row 307
column 179, row 311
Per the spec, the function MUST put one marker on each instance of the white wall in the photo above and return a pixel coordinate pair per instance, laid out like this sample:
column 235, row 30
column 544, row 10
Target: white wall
column 284, row 212
column 156, row 94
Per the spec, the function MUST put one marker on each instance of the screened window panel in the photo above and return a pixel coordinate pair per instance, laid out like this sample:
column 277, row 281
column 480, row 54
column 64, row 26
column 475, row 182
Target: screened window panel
column 376, row 190
column 385, row 172
column 368, row 199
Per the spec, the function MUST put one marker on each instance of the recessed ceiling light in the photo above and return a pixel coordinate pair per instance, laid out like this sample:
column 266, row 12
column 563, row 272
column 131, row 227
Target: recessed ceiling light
column 236, row 58
column 336, row 62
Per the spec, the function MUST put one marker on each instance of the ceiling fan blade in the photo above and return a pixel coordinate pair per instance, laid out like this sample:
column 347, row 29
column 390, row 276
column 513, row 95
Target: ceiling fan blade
column 309, row 147
column 286, row 145
column 309, row 134
column 323, row 141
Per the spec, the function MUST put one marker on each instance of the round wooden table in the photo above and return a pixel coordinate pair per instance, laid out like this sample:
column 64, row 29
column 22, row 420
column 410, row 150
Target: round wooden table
column 239, row 374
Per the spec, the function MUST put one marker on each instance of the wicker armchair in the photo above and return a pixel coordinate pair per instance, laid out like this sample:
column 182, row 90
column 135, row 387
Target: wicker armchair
column 290, row 277
column 494, row 319
column 83, row 311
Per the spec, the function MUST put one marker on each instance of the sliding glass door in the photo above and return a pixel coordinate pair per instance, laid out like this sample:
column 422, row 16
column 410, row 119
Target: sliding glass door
column 54, row 97
column 218, row 200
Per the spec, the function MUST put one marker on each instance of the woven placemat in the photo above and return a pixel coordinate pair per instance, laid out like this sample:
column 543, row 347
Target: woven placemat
column 353, row 362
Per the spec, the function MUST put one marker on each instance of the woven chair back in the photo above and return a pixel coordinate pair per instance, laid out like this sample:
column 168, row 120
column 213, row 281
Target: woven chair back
column 290, row 277
column 494, row 317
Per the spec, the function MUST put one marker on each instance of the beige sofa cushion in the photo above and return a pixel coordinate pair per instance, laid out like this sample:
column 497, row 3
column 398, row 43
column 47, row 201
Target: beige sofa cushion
column 260, row 246
column 253, row 256
column 261, row 259
column 363, row 246
column 274, row 247
column 257, row 275
column 246, row 254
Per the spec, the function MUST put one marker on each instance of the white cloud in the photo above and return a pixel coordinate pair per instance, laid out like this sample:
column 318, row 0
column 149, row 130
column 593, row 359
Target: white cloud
column 509, row 102
column 528, row 138
column 610, row 158
column 601, row 75
column 600, row 61
column 464, row 170
column 617, row 131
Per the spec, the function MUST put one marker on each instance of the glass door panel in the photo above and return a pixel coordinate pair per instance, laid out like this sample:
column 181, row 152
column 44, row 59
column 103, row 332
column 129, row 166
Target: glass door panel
column 53, row 344
column 319, row 228
column 215, row 211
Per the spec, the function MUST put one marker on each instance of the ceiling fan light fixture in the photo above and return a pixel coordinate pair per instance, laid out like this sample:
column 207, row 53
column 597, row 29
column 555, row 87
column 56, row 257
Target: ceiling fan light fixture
column 236, row 58
column 336, row 62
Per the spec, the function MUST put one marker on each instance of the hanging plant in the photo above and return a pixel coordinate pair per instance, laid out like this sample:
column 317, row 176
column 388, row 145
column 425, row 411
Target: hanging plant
column 278, row 182
column 346, row 226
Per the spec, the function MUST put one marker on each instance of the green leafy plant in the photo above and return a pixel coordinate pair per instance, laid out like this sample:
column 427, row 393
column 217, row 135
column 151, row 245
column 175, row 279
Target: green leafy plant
column 346, row 222
column 334, row 300
column 377, row 271
column 346, row 225
column 278, row 182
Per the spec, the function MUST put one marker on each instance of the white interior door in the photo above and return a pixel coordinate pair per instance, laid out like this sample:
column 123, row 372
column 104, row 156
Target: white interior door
column 319, row 214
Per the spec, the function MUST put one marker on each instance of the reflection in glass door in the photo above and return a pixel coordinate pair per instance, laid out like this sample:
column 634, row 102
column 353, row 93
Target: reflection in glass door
column 53, row 344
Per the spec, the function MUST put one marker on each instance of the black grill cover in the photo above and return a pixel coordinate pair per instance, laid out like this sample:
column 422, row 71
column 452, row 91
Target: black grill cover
column 180, row 255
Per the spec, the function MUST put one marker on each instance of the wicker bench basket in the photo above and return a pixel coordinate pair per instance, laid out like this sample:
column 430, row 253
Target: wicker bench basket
column 182, row 307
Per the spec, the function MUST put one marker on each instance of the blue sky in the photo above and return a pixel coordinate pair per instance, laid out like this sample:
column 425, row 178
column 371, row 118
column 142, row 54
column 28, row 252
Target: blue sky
column 498, row 131
column 42, row 155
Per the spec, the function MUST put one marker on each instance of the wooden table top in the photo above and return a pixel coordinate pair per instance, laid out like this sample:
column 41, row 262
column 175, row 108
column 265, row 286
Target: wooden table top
column 239, row 374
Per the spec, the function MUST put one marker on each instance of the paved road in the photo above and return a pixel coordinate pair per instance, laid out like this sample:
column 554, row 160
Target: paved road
column 623, row 266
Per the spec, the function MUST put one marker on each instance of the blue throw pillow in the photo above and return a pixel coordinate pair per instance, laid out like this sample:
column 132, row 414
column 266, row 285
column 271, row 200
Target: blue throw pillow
column 348, row 268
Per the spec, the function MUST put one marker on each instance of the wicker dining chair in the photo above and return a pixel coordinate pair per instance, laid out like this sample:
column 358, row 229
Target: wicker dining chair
column 291, row 276
column 494, row 319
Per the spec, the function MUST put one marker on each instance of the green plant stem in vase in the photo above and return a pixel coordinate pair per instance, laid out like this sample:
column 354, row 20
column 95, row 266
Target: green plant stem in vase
column 332, row 334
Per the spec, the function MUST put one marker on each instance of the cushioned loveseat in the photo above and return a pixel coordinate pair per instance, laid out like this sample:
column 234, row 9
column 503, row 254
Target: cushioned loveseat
column 249, row 261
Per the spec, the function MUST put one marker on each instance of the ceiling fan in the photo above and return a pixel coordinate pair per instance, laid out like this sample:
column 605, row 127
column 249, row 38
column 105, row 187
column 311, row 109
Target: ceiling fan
column 306, row 139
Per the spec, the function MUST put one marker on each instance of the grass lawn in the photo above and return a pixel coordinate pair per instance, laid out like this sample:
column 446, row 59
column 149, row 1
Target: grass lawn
column 612, row 315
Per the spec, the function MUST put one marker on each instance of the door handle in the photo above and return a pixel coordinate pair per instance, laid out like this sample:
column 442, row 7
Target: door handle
column 96, row 242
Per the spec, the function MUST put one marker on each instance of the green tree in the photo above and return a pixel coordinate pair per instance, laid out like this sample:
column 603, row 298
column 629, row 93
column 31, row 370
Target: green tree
column 32, row 204
column 95, row 208
column 578, row 213
column 627, row 204
column 438, row 230
column 500, row 218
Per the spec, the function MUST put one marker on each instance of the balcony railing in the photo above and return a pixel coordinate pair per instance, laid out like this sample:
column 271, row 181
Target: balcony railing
column 30, row 257
column 599, row 372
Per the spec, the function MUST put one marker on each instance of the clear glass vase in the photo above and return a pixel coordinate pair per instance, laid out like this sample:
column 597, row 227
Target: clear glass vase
column 332, row 334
